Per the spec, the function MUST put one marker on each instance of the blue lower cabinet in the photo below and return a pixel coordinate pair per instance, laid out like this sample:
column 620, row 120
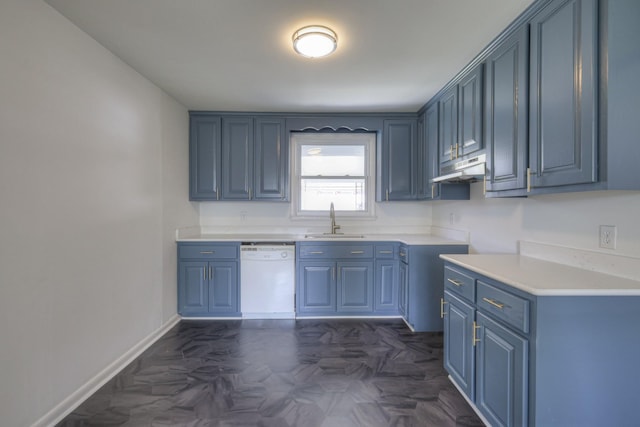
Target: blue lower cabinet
column 208, row 280
column 486, row 348
column 386, row 286
column 501, row 374
column 459, row 349
column 355, row 287
column 316, row 287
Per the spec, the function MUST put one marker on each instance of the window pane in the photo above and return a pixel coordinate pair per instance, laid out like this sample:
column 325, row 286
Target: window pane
column 332, row 160
column 346, row 194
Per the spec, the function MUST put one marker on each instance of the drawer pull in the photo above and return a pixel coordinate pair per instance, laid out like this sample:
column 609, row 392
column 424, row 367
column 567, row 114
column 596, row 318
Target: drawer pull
column 475, row 328
column 356, row 252
column 455, row 282
column 210, row 273
column 207, row 252
column 316, row 252
column 493, row 303
column 385, row 252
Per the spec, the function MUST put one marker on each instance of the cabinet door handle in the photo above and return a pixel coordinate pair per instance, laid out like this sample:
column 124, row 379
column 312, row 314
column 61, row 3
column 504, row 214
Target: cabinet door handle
column 455, row 282
column 484, row 185
column 451, row 152
column 249, row 193
column 387, row 195
column 493, row 303
column 217, row 194
column 475, row 328
column 316, row 252
column 204, row 273
column 456, row 147
column 528, row 180
column 442, row 303
column 356, row 252
column 381, row 252
column 210, row 273
column 433, row 190
column 207, row 252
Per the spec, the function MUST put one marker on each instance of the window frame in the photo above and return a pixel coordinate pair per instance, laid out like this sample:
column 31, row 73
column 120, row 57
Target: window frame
column 366, row 139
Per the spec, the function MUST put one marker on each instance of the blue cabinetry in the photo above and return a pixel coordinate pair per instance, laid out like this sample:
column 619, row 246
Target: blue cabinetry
column 208, row 279
column 542, row 360
column 487, row 345
column 335, row 278
column 506, row 120
column 237, row 158
column 563, row 97
column 428, row 138
column 398, row 161
column 460, row 121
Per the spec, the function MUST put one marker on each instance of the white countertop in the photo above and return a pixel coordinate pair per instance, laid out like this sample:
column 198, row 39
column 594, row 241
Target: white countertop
column 545, row 278
column 409, row 239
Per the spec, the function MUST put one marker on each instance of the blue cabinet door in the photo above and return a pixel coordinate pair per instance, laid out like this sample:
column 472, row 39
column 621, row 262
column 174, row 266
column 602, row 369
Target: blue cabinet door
column 386, row 286
column 563, row 94
column 398, row 158
column 223, row 288
column 193, row 288
column 237, row 158
column 501, row 374
column 355, row 287
column 403, row 283
column 317, row 287
column 448, row 124
column 506, row 100
column 459, row 356
column 470, row 104
column 271, row 156
column 204, row 157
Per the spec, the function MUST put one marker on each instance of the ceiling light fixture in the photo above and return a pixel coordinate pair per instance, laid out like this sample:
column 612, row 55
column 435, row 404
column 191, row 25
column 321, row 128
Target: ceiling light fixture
column 315, row 41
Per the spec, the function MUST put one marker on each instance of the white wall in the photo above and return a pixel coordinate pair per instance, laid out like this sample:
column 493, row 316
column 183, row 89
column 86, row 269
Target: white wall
column 93, row 181
column 275, row 217
column 566, row 219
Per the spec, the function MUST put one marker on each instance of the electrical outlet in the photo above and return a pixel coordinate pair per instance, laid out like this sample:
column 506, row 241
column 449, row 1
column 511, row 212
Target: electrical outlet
column 608, row 236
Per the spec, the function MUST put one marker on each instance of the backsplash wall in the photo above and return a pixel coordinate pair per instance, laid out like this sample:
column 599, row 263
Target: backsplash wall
column 265, row 217
column 566, row 219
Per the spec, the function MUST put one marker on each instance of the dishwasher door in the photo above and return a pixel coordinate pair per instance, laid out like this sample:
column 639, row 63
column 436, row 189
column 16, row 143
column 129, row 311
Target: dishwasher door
column 267, row 281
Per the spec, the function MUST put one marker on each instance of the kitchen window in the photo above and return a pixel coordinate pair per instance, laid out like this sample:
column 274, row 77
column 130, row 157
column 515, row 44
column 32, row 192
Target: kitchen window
column 333, row 168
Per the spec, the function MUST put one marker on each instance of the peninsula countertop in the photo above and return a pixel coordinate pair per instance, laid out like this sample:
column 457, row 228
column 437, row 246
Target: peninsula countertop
column 545, row 278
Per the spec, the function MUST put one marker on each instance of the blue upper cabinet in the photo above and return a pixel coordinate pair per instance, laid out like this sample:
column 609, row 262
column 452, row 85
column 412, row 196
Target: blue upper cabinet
column 460, row 121
column 563, row 94
column 470, row 94
column 204, row 157
column 271, row 153
column 238, row 158
column 448, row 124
column 398, row 161
column 506, row 121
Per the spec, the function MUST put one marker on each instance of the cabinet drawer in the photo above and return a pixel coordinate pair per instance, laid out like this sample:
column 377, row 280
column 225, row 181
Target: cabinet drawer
column 459, row 283
column 504, row 305
column 208, row 251
column 336, row 251
column 385, row 251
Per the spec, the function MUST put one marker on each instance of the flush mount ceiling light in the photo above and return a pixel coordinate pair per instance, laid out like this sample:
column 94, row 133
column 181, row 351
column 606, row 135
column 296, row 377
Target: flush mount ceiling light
column 315, row 41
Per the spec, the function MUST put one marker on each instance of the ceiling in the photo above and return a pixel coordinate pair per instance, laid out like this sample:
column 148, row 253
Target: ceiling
column 236, row 55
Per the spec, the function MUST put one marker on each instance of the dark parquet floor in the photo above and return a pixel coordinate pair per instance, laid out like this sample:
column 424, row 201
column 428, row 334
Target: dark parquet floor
column 279, row 373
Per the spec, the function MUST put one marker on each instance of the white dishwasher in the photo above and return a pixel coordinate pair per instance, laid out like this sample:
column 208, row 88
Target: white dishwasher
column 267, row 280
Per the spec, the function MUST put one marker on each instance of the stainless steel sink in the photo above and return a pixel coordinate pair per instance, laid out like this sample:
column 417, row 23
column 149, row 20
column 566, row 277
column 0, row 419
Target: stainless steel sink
column 333, row 236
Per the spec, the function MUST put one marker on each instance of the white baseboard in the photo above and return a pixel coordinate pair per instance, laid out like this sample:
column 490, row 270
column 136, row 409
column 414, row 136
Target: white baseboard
column 65, row 407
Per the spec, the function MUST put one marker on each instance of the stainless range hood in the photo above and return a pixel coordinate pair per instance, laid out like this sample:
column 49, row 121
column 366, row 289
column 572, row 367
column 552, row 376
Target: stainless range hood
column 468, row 170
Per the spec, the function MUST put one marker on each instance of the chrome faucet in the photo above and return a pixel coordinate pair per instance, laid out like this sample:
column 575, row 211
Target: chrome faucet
column 332, row 215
